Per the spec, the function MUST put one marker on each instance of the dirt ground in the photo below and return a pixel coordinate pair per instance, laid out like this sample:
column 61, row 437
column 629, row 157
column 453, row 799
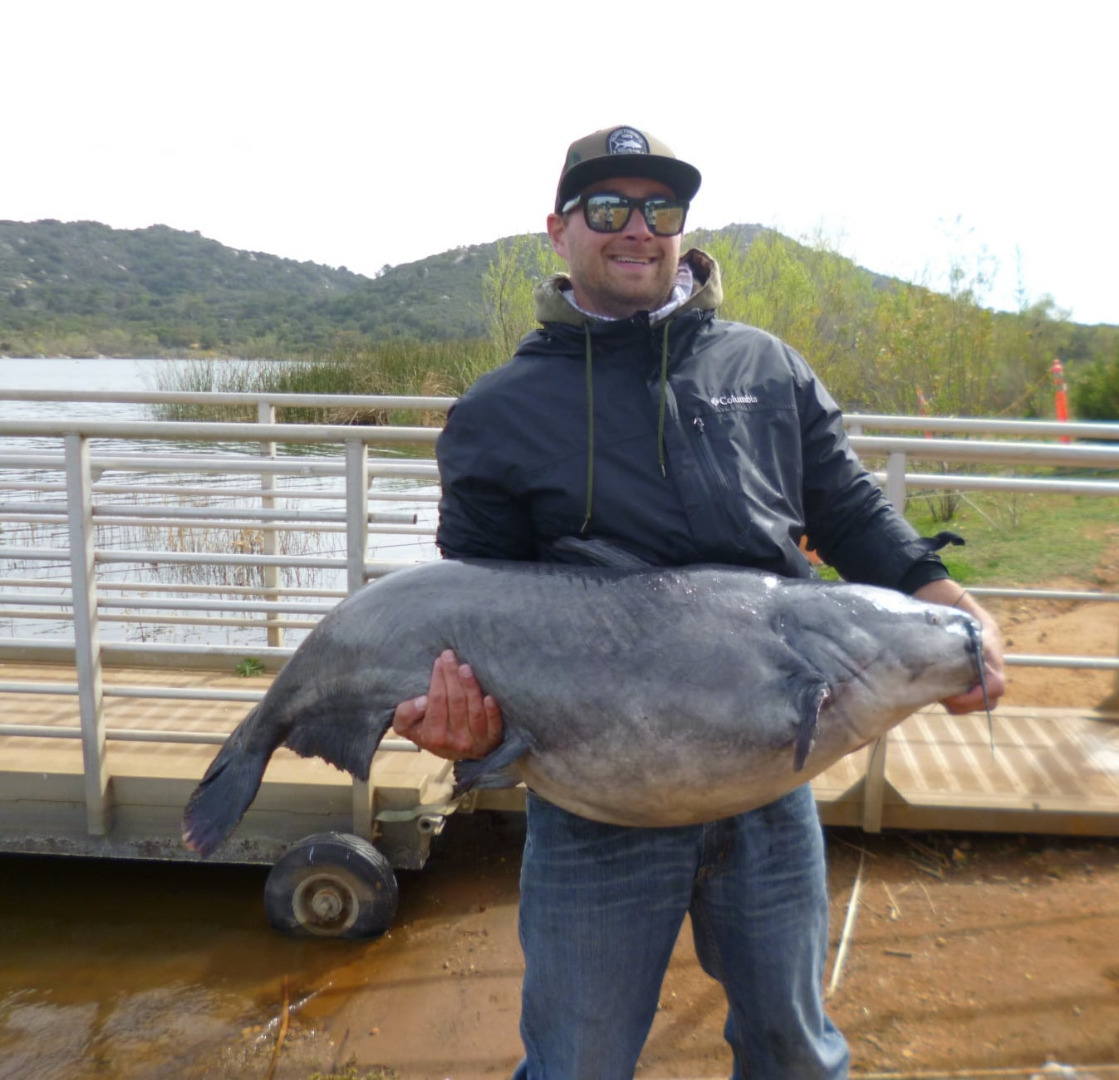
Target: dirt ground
column 970, row 954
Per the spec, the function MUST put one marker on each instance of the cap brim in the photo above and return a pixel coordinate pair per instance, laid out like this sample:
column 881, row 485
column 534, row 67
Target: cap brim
column 684, row 179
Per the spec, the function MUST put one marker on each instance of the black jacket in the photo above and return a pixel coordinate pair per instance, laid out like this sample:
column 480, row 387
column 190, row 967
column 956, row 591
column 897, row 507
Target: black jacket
column 692, row 440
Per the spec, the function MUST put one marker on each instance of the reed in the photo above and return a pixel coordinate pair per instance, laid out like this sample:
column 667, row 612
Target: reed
column 435, row 369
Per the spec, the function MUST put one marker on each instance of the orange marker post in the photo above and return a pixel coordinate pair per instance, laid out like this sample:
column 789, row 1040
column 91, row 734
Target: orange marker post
column 1060, row 394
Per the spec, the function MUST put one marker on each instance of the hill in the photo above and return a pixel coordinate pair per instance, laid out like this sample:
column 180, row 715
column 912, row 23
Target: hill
column 82, row 288
column 85, row 289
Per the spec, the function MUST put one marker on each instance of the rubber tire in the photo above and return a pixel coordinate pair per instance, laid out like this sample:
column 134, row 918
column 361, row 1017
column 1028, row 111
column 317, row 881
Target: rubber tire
column 331, row 885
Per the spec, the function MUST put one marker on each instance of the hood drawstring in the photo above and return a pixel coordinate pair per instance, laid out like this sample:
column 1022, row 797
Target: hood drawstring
column 590, row 430
column 662, row 454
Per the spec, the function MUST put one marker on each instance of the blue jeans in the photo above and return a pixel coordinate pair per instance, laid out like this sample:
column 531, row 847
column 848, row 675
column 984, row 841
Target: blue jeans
column 602, row 906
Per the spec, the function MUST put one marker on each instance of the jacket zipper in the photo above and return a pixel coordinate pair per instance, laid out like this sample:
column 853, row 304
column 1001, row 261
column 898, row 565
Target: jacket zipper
column 709, row 466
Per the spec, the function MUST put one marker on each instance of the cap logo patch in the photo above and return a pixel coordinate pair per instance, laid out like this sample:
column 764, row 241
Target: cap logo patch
column 626, row 140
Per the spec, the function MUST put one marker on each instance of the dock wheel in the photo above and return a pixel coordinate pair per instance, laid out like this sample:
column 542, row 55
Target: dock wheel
column 331, row 885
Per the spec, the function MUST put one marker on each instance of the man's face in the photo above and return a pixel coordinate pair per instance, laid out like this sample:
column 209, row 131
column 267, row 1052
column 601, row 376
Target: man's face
column 620, row 273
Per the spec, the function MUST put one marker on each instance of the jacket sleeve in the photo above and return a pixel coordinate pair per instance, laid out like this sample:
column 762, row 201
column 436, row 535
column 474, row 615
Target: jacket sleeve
column 480, row 513
column 848, row 519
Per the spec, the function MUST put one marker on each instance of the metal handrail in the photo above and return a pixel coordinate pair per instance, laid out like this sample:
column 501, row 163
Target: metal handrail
column 83, row 460
column 857, row 423
column 246, row 399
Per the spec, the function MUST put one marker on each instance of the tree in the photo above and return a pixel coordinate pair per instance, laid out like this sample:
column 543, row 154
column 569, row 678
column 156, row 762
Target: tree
column 1026, row 343
column 507, row 287
column 1095, row 392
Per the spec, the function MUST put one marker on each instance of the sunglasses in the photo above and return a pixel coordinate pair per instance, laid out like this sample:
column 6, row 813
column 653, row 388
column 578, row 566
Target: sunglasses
column 608, row 213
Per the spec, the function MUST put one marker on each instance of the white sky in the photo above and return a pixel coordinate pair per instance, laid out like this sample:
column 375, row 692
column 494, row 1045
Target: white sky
column 912, row 134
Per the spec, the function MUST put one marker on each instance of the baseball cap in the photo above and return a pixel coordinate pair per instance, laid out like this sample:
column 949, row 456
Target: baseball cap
column 623, row 151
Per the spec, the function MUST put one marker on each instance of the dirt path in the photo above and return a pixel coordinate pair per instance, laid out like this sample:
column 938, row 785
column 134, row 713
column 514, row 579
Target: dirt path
column 969, row 952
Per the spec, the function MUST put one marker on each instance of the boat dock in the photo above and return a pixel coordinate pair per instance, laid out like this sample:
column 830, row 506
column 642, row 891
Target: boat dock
column 1050, row 771
column 123, row 533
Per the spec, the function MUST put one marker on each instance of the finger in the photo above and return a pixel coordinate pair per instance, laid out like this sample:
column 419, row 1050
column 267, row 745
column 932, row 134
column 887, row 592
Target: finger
column 494, row 723
column 436, row 720
column 963, row 703
column 451, row 735
column 456, row 728
column 485, row 719
column 975, row 700
column 477, row 722
column 408, row 716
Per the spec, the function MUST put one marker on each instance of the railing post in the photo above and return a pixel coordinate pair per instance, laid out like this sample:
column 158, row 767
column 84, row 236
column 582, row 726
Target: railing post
column 87, row 637
column 269, row 537
column 357, row 513
column 1110, row 704
column 364, row 812
column 874, row 783
column 357, row 541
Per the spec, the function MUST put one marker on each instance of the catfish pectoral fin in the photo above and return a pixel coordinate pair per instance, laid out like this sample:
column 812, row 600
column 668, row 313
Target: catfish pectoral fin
column 810, row 701
column 341, row 732
column 495, row 770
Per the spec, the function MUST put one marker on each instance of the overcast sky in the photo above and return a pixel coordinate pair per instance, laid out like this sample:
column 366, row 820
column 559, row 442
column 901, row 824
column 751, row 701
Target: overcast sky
column 913, row 136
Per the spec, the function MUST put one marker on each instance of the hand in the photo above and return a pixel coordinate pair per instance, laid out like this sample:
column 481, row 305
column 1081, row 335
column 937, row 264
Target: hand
column 952, row 594
column 454, row 720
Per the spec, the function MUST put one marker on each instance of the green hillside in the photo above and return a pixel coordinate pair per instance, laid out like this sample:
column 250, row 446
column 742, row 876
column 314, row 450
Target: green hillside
column 84, row 289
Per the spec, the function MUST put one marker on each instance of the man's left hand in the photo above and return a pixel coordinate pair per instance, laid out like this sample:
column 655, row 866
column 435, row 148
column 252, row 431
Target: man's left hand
column 952, row 594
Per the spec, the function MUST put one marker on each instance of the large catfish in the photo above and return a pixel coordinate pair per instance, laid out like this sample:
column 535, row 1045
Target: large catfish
column 630, row 694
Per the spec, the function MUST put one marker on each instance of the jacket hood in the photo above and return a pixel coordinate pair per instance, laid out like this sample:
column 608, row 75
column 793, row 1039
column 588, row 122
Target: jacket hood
column 553, row 307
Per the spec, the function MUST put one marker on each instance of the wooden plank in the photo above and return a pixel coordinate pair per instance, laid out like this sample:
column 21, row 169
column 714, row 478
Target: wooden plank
column 1053, row 771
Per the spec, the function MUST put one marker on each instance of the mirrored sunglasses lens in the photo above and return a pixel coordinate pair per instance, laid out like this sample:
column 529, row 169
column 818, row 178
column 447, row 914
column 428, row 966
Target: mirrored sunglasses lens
column 607, row 213
column 665, row 219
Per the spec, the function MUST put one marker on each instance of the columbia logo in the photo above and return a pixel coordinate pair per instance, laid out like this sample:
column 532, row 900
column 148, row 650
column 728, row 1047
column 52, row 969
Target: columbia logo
column 733, row 399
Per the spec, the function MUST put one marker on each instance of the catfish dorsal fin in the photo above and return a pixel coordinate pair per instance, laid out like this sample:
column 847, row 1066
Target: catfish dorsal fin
column 592, row 552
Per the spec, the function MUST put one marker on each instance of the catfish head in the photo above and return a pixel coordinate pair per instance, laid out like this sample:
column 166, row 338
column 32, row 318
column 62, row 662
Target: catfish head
column 880, row 654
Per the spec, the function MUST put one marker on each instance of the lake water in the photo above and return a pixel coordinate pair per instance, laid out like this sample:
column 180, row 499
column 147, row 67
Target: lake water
column 91, row 374
column 390, row 495
column 102, row 373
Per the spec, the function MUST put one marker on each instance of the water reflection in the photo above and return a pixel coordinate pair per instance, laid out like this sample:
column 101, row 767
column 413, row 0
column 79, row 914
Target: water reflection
column 142, row 969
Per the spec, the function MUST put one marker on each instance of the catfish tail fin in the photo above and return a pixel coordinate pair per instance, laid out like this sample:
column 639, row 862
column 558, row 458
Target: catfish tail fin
column 225, row 792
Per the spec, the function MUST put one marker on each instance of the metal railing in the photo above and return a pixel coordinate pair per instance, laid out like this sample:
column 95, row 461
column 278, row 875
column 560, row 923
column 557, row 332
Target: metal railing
column 86, row 508
column 901, row 454
column 87, row 488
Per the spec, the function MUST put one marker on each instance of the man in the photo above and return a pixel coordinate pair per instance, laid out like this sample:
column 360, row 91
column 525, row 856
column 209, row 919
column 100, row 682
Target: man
column 636, row 416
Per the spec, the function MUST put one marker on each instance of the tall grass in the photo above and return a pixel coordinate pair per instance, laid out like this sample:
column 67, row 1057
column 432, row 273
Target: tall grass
column 429, row 369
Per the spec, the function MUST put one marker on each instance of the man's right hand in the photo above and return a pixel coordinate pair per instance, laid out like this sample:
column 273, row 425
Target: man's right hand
column 454, row 719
